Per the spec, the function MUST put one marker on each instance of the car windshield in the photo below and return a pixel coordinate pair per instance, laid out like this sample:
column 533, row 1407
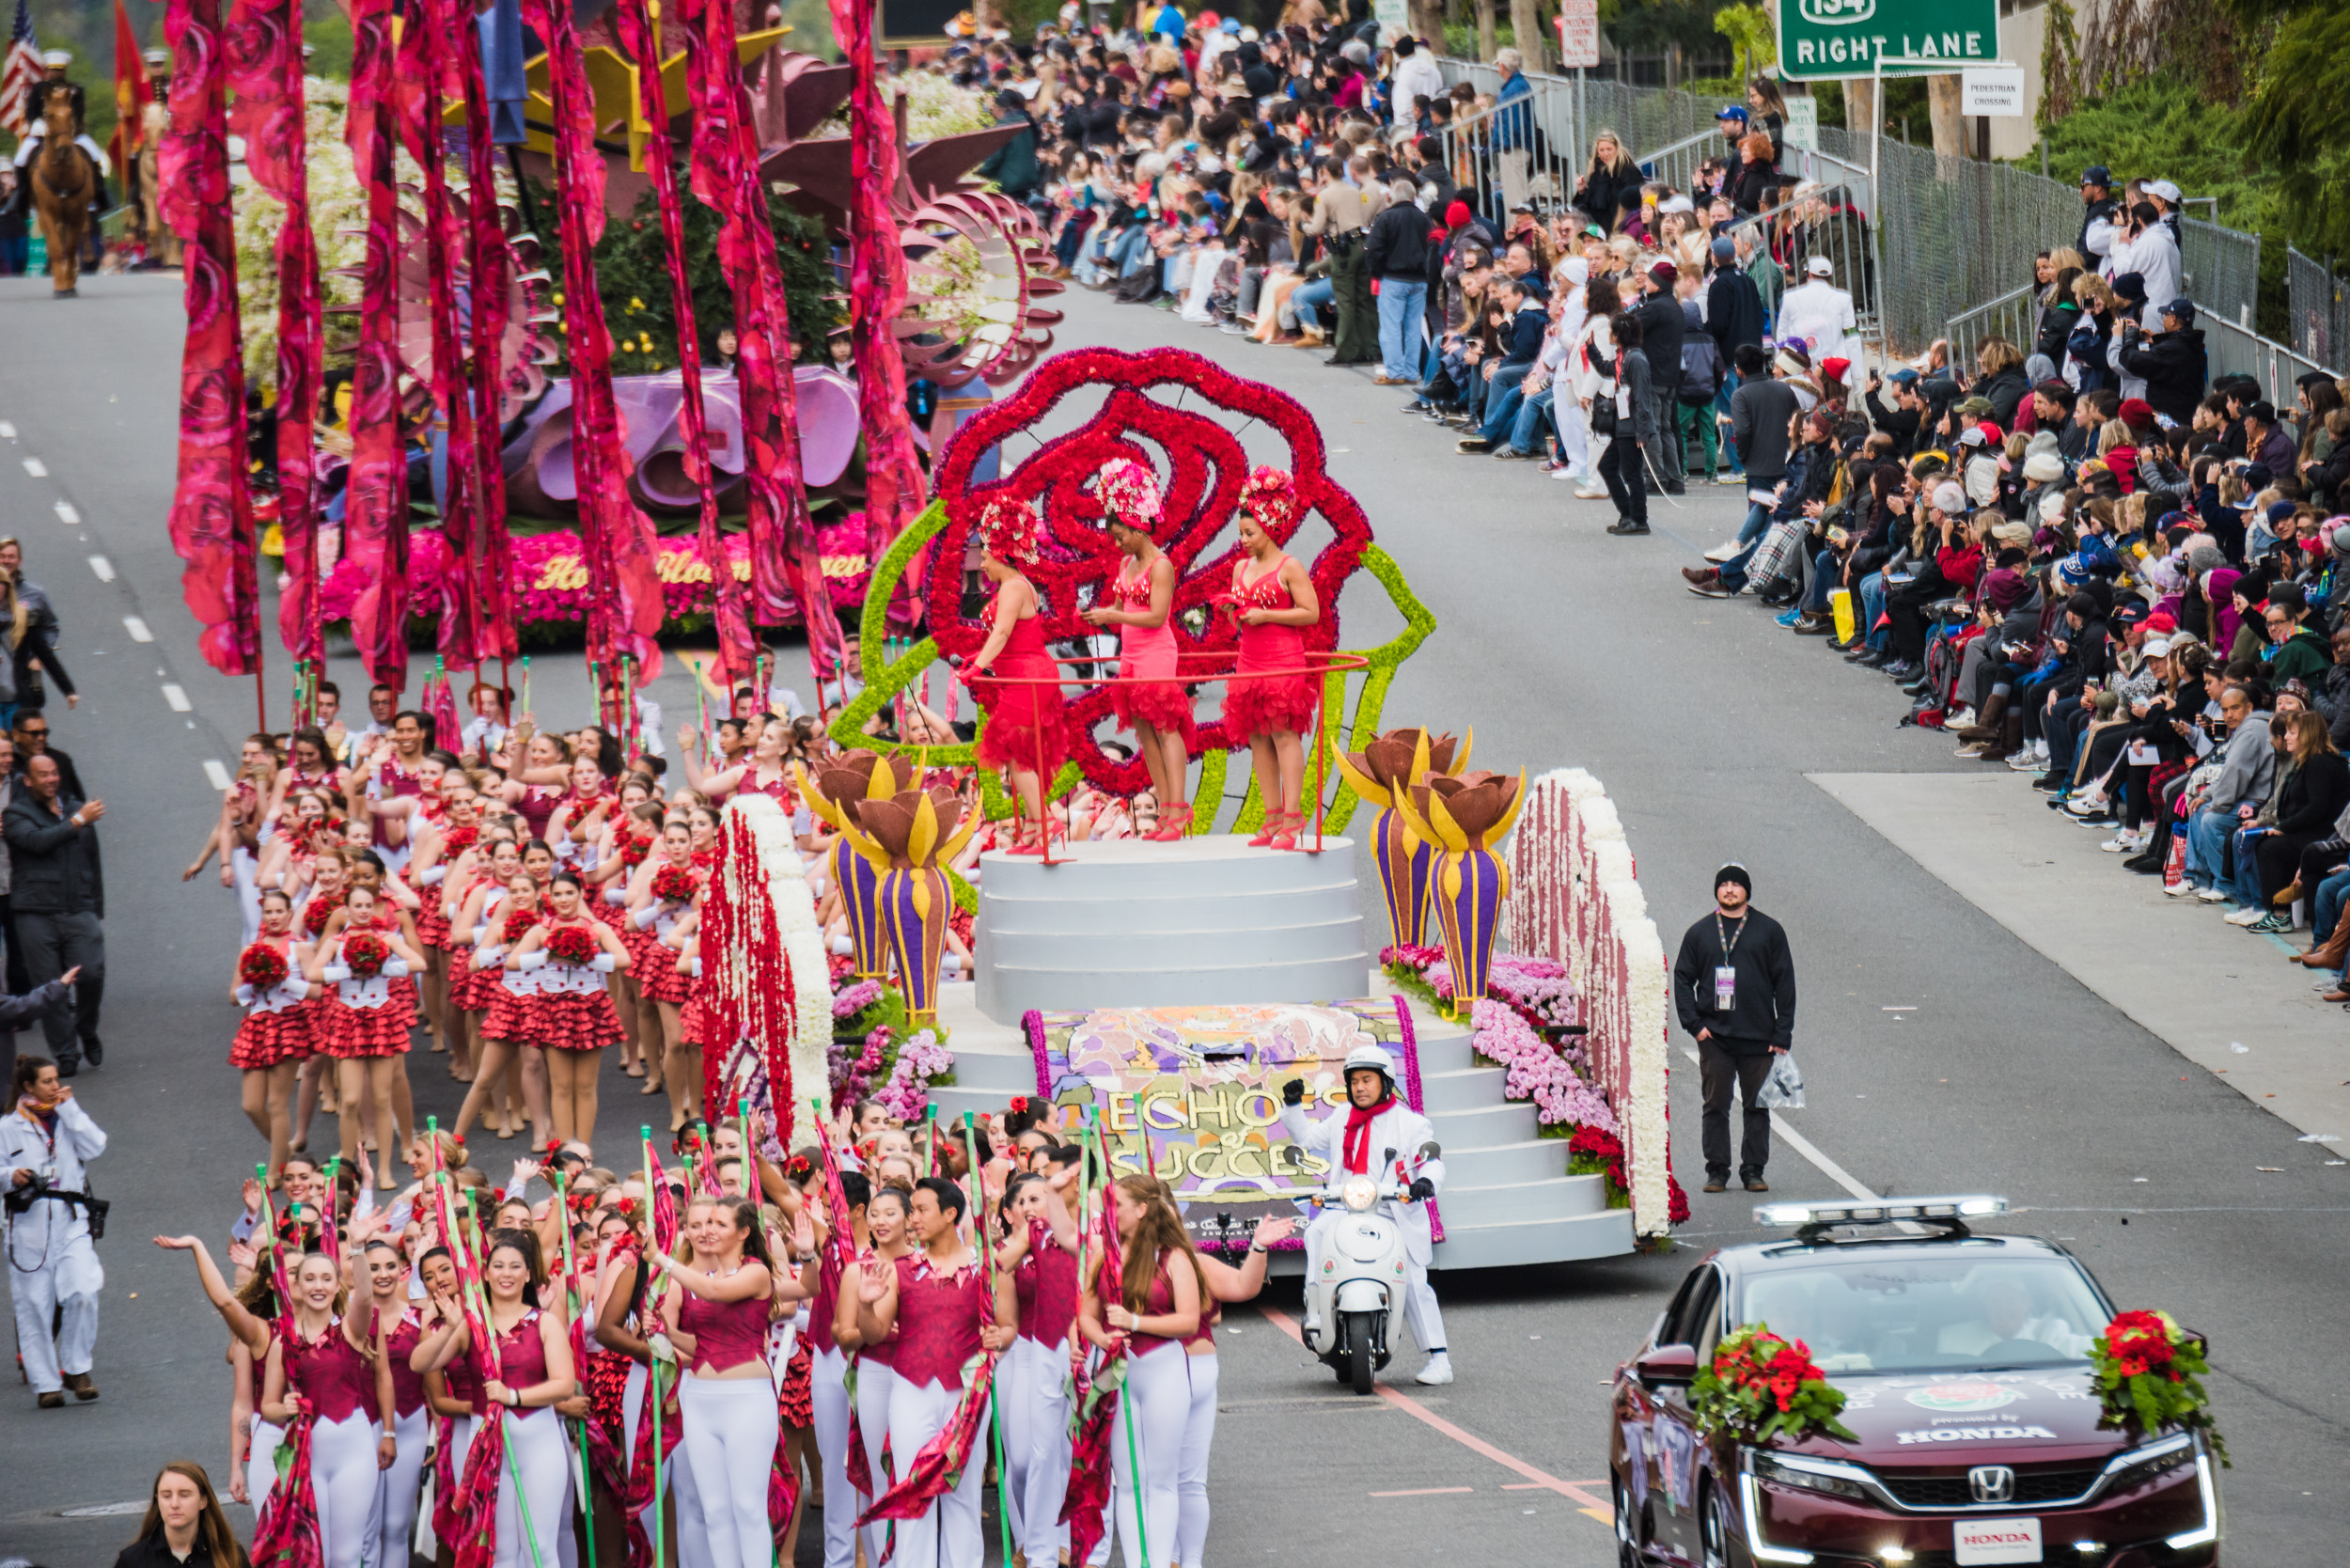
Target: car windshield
column 1930, row 1314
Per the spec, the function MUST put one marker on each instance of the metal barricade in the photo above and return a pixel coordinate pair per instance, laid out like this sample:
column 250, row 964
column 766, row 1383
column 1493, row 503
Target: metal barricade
column 2013, row 316
column 2318, row 314
column 2234, row 350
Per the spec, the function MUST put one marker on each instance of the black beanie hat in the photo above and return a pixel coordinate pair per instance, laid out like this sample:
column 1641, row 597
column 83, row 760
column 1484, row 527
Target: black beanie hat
column 1738, row 873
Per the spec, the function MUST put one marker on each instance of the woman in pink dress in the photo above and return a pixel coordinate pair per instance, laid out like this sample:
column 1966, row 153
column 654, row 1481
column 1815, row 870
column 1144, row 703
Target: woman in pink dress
column 1026, row 732
column 1142, row 599
column 1274, row 601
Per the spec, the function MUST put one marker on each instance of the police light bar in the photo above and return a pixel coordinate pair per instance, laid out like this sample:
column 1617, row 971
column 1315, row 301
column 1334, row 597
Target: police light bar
column 1954, row 1211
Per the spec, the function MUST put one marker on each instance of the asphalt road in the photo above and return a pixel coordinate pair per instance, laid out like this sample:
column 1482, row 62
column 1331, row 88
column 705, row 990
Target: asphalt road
column 1560, row 645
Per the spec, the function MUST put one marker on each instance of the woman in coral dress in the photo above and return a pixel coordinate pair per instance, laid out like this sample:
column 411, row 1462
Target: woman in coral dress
column 1274, row 601
column 1027, row 733
column 1142, row 599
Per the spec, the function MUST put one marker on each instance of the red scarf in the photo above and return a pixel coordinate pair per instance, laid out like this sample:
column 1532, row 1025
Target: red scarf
column 1357, row 1147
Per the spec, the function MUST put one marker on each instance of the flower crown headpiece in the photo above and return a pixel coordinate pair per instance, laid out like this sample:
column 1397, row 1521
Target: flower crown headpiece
column 1270, row 496
column 1010, row 528
column 1129, row 494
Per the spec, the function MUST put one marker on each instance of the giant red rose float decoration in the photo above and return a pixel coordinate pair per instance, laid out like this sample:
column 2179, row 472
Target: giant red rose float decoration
column 1185, row 435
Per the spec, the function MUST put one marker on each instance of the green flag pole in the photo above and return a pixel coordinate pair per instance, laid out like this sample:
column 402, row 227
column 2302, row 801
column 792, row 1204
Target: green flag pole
column 987, row 1252
column 1125, row 1401
column 579, row 1429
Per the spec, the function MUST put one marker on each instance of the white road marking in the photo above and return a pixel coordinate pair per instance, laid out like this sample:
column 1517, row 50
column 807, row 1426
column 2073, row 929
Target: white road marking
column 67, row 515
column 38, row 469
column 177, row 698
column 1809, row 1150
column 8, row 431
column 104, row 568
column 217, row 774
column 137, row 629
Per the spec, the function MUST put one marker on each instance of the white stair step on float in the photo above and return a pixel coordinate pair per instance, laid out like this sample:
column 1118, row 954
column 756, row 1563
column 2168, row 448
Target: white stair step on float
column 1126, row 923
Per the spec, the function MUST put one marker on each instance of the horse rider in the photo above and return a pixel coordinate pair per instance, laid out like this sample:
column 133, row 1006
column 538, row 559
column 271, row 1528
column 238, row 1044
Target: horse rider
column 36, row 98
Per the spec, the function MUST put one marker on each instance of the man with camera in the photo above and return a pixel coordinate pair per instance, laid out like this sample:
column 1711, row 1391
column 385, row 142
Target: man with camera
column 46, row 1143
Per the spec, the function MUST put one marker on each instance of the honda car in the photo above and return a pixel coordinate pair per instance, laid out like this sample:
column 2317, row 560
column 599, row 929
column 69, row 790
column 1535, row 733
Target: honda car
column 1977, row 1432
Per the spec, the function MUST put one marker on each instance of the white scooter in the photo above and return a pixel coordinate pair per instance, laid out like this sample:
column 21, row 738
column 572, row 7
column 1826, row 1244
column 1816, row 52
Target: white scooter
column 1356, row 1303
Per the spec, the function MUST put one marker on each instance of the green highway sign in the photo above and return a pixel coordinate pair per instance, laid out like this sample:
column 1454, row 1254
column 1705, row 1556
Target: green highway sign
column 1822, row 40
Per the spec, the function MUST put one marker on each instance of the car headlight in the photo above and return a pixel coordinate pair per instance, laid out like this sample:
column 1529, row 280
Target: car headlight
column 1359, row 1193
column 1813, row 1475
column 2135, row 1466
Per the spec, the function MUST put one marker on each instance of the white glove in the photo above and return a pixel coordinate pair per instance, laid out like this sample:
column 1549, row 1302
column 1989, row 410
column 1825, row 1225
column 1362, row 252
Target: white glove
column 614, row 893
column 243, row 995
column 601, row 963
column 531, row 960
column 480, row 931
column 487, row 958
column 643, row 919
column 395, row 967
column 337, row 972
column 432, row 874
column 694, row 966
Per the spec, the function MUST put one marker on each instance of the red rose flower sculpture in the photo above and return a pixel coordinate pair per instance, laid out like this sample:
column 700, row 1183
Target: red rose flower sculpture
column 261, row 966
column 674, row 884
column 365, row 954
column 2148, row 1375
column 1177, row 415
column 571, row 945
column 1762, row 1386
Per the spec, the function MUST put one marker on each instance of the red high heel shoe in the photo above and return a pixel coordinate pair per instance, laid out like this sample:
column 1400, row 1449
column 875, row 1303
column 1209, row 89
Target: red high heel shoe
column 1286, row 838
column 1031, row 840
column 1174, row 823
column 1272, row 821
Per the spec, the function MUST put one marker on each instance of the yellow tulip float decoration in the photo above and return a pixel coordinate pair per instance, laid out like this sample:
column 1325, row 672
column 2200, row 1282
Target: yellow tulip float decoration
column 910, row 833
column 1462, row 816
column 855, row 776
column 1381, row 773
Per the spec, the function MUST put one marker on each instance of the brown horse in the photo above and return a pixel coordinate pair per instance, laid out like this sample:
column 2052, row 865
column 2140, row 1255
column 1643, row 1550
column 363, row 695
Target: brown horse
column 64, row 183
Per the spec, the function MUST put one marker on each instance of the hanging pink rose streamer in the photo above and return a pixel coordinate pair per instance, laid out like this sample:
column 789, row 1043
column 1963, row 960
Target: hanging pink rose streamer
column 491, row 266
column 375, row 506
column 877, row 292
column 625, row 611
column 212, row 517
column 265, row 44
column 736, row 645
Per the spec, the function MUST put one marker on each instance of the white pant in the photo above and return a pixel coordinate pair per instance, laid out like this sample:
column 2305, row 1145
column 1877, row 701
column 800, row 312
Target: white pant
column 260, row 1463
column 1032, row 1402
column 730, row 1429
column 538, row 1452
column 1575, row 436
column 399, row 1486
column 36, row 133
column 244, row 866
column 829, row 1399
column 1155, row 1410
column 1191, row 1482
column 68, row 1283
column 947, row 1534
column 1420, row 1312
column 691, row 1545
column 874, row 1383
column 347, row 1487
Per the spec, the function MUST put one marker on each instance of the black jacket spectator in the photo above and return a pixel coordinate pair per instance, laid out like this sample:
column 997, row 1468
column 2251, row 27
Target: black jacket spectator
column 1899, row 423
column 2313, row 794
column 54, row 866
column 1603, row 193
column 1662, row 327
column 1733, row 311
column 2173, row 366
column 1759, row 412
column 1763, row 1007
column 1398, row 247
column 2003, row 391
column 1524, row 332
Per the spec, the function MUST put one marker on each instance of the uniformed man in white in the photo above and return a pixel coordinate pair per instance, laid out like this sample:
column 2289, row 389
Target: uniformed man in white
column 46, row 1143
column 1376, row 1121
column 57, row 60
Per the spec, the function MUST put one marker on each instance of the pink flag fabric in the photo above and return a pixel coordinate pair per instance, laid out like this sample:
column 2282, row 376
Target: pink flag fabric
column 375, row 506
column 491, row 266
column 212, row 517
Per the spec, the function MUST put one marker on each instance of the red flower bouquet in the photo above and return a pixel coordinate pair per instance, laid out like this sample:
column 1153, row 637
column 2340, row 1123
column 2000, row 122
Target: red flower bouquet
column 1761, row 1387
column 634, row 850
column 571, row 945
column 673, row 884
column 261, row 966
column 456, row 840
column 2149, row 1374
column 365, row 954
column 319, row 910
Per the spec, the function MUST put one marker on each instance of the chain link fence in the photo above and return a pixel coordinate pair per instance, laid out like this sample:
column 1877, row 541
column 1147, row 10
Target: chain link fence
column 1954, row 234
column 2318, row 311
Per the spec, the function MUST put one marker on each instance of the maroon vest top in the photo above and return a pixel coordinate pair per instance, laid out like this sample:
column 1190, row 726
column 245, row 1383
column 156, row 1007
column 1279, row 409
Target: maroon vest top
column 338, row 1380
column 725, row 1333
column 938, row 1319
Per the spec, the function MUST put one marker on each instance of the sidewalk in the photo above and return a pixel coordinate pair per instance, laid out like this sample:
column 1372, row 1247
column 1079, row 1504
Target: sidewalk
column 2170, row 966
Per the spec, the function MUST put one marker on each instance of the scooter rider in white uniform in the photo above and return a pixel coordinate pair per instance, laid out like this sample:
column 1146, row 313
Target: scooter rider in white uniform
column 1377, row 1119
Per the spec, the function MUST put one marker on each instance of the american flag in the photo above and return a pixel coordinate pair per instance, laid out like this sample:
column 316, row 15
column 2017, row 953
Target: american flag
column 21, row 71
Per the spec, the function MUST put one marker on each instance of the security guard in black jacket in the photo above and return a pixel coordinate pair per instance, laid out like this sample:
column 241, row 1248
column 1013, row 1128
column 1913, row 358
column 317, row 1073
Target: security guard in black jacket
column 1734, row 985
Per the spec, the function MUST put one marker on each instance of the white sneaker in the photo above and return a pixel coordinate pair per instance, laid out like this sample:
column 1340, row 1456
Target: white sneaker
column 2211, row 894
column 1729, row 478
column 1959, row 720
column 1589, row 492
column 1437, row 1372
column 2178, row 889
column 2120, row 844
column 1723, row 551
column 2245, row 917
column 2087, row 806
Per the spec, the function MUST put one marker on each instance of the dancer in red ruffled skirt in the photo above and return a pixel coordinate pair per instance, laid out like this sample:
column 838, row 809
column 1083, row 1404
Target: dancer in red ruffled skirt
column 1026, row 732
column 571, row 1018
column 275, row 1040
column 1273, row 601
column 1141, row 607
column 662, row 895
column 368, row 1019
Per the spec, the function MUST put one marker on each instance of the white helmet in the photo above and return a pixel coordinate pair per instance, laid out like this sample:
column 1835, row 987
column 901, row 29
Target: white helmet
column 1368, row 1057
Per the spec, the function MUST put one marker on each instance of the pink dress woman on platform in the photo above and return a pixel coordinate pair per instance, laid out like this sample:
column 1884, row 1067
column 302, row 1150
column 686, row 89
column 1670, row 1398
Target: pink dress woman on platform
column 1272, row 694
column 1026, row 732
